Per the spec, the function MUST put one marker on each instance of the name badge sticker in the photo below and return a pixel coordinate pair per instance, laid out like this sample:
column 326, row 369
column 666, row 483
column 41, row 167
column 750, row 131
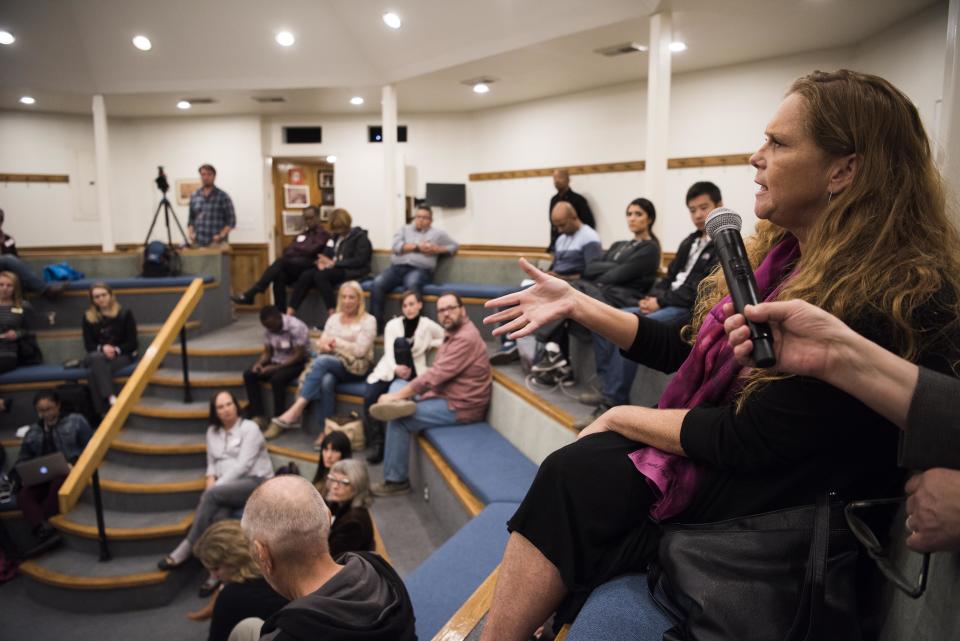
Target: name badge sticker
column 284, row 344
column 301, row 238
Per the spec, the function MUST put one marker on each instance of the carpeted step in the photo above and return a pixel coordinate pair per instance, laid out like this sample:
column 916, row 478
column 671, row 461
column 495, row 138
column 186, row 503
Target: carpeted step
column 131, row 488
column 128, row 533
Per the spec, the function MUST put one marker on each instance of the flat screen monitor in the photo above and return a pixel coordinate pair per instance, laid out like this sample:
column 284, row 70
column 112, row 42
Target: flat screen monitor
column 447, row 195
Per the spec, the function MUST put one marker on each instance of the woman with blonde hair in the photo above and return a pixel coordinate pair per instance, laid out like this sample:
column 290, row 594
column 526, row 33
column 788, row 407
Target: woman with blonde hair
column 110, row 338
column 349, row 499
column 224, row 552
column 347, row 257
column 18, row 346
column 344, row 355
column 853, row 219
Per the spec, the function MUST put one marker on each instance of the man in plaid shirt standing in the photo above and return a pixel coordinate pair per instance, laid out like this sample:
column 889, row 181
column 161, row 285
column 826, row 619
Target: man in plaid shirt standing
column 211, row 212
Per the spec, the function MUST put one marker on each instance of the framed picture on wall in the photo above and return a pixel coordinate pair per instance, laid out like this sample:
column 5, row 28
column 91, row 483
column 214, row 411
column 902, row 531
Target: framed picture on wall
column 296, row 196
column 325, row 213
column 185, row 188
column 325, row 179
column 292, row 222
column 326, row 197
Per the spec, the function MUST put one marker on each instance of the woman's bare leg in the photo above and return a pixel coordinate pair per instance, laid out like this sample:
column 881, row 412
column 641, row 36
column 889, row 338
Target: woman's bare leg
column 295, row 411
column 529, row 589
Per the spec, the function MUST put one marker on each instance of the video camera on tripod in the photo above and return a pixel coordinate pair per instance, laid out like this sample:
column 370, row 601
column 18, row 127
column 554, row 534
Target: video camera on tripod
column 160, row 259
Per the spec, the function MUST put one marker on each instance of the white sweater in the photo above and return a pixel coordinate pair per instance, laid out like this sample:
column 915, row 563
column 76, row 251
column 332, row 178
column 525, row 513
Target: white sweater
column 428, row 335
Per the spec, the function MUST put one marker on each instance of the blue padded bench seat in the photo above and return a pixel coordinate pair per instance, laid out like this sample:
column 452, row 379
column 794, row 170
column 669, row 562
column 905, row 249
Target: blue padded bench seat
column 450, row 575
column 357, row 388
column 49, row 372
column 466, row 290
column 491, row 467
column 138, row 282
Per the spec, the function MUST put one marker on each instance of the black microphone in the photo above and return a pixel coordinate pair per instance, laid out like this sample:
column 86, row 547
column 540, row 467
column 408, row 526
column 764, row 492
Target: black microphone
column 723, row 226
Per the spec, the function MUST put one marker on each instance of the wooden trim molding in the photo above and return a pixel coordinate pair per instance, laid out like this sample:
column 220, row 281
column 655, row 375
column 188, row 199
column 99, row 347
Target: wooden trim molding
column 34, row 178
column 465, row 495
column 57, row 579
column 124, row 487
column 64, row 524
column 464, row 620
column 290, row 452
column 152, row 449
column 614, row 167
column 535, row 400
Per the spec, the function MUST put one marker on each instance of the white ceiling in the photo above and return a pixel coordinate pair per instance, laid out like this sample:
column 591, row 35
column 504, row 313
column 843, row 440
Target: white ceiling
column 67, row 50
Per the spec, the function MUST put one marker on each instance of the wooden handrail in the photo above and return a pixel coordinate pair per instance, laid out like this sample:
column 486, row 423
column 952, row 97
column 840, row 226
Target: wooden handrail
column 97, row 448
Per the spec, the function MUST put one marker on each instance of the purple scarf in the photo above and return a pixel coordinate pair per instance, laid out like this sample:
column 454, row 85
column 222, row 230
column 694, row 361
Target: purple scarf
column 709, row 375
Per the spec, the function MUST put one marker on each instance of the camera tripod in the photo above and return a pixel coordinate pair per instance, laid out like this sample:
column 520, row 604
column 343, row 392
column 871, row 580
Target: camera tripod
column 167, row 208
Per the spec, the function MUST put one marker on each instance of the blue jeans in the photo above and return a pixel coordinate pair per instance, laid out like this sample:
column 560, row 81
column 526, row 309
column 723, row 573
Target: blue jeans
column 620, row 609
column 412, row 278
column 616, row 372
column 432, row 412
column 29, row 281
column 321, row 381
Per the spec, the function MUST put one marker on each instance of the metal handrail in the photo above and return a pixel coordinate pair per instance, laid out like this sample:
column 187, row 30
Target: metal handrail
column 88, row 463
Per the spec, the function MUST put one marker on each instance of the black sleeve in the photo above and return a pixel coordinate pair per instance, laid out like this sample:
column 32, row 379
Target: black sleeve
column 128, row 344
column 596, row 268
column 932, row 437
column 783, row 423
column 658, row 345
column 90, row 342
column 641, row 264
column 360, row 256
column 686, row 294
column 354, row 533
column 227, row 612
column 584, row 213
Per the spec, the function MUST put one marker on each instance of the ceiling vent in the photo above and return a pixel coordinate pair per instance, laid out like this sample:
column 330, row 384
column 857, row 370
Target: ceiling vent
column 267, row 99
column 200, row 101
column 621, row 49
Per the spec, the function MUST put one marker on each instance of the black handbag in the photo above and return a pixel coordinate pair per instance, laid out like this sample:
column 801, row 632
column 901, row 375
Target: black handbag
column 788, row 575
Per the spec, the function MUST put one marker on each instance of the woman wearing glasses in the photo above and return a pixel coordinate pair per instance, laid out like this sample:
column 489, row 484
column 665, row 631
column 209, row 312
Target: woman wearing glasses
column 348, row 495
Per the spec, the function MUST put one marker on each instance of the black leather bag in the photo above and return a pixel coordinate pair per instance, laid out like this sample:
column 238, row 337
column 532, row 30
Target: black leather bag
column 788, row 575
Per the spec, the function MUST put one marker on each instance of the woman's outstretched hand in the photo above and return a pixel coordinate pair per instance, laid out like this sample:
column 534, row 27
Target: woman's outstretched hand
column 548, row 299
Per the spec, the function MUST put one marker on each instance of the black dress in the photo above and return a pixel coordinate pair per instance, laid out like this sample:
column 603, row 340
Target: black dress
column 792, row 440
column 237, row 601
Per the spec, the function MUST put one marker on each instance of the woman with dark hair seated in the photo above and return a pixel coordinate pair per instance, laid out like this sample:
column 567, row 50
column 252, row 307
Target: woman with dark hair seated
column 348, row 496
column 237, row 462
column 110, row 338
column 334, row 447
column 852, row 218
column 225, row 553
column 53, row 432
column 347, row 257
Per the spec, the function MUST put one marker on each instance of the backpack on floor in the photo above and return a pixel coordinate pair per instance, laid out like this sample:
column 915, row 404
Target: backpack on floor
column 160, row 260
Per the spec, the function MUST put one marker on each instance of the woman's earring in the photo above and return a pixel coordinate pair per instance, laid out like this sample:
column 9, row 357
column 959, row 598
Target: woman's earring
column 829, row 197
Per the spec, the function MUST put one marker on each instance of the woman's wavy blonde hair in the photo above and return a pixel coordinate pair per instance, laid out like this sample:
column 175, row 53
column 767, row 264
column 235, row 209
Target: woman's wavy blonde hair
column 223, row 547
column 358, row 290
column 883, row 246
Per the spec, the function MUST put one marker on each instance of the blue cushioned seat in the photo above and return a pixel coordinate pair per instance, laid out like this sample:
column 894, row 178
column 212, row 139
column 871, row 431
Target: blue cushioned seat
column 444, row 581
column 356, row 388
column 491, row 467
column 138, row 282
column 466, row 290
column 49, row 372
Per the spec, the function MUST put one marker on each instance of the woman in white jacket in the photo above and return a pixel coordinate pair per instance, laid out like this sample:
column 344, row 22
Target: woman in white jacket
column 406, row 341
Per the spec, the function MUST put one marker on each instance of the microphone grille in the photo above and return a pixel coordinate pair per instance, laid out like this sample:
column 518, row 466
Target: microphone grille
column 722, row 218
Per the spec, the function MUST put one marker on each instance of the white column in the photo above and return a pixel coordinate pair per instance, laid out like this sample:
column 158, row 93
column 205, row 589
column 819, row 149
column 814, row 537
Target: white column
column 658, row 108
column 393, row 199
column 101, row 148
column 948, row 152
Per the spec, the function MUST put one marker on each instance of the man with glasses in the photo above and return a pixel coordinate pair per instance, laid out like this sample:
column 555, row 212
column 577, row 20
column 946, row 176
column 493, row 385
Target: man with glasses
column 415, row 250
column 455, row 390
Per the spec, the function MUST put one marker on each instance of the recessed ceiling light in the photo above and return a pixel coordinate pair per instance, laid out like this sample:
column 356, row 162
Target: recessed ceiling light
column 285, row 39
column 677, row 47
column 28, row 100
column 6, row 38
column 331, row 159
column 481, row 87
column 392, row 20
column 142, row 43
column 184, row 104
column 356, row 100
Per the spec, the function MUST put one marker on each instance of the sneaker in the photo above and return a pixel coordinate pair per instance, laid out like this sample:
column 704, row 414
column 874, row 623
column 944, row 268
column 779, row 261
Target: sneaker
column 597, row 413
column 564, row 376
column 508, row 353
column 392, row 411
column 552, row 359
column 273, row 431
column 591, row 397
column 390, row 488
column 242, row 299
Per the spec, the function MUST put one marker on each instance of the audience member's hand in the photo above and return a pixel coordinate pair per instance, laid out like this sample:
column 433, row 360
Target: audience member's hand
column 402, row 372
column 217, row 238
column 191, row 235
column 806, row 339
column 933, row 510
column 548, row 299
column 9, row 335
column 269, row 368
column 211, row 480
column 109, row 351
column 326, row 344
column 257, row 368
column 648, row 304
column 426, row 247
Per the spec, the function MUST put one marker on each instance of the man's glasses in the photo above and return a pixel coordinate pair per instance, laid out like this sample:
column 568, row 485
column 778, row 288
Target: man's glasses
column 444, row 310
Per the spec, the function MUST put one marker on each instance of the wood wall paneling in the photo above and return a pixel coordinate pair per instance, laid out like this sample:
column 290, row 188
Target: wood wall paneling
column 613, row 167
column 247, row 262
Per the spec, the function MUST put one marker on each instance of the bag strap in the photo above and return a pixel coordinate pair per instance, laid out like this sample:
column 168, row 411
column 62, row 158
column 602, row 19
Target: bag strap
column 808, row 622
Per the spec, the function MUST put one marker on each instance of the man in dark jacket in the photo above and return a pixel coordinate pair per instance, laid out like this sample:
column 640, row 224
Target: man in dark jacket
column 298, row 257
column 561, row 181
column 357, row 596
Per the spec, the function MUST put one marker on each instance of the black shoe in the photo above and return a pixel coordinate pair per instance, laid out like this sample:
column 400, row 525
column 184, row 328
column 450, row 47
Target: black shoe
column 376, row 456
column 208, row 587
column 551, row 359
column 508, row 353
column 242, row 299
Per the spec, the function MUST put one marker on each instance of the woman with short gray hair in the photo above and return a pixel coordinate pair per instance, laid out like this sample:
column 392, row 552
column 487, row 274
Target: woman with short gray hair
column 348, row 496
